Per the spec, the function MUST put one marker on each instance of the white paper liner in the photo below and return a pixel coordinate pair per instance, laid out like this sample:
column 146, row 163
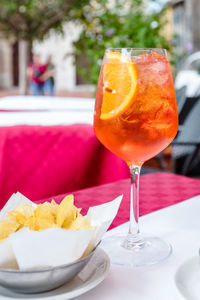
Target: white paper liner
column 7, row 256
column 51, row 247
column 67, row 246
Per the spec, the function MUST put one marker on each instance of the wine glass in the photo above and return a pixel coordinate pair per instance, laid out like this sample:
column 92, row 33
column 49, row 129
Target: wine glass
column 135, row 118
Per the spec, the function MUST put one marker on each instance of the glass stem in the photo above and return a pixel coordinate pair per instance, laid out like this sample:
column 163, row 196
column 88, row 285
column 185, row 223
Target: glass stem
column 133, row 238
column 134, row 201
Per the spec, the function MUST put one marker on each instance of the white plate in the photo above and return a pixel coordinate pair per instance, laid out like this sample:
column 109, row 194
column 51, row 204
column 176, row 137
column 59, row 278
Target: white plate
column 93, row 273
column 188, row 279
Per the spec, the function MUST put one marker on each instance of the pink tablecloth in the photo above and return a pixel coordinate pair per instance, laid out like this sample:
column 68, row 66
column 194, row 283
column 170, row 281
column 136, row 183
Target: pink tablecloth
column 42, row 161
column 157, row 190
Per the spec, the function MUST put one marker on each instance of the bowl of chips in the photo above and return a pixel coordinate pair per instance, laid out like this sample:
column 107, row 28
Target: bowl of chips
column 46, row 245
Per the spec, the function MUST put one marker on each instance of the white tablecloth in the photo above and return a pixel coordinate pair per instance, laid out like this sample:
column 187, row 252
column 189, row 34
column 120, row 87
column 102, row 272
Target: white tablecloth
column 180, row 225
column 30, row 110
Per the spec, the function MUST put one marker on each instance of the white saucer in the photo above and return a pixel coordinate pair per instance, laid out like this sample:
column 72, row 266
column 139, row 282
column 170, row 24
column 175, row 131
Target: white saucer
column 188, row 279
column 93, row 273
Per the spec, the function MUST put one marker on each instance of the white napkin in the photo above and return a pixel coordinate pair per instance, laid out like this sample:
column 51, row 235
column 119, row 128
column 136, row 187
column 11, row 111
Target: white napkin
column 53, row 246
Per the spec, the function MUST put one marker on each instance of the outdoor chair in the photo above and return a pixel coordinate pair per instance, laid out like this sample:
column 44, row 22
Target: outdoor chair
column 181, row 97
column 186, row 145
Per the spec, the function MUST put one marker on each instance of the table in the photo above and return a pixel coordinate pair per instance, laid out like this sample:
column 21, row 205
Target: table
column 155, row 282
column 45, row 110
column 179, row 223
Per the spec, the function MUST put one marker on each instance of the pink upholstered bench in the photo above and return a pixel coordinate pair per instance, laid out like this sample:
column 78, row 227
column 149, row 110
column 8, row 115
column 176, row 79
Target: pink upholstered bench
column 42, row 161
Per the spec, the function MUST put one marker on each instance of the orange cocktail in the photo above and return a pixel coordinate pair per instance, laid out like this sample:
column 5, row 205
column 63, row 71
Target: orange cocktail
column 135, row 113
column 136, row 118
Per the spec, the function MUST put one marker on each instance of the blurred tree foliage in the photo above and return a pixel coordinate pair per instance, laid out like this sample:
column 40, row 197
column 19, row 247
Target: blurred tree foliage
column 116, row 24
column 29, row 20
column 33, row 19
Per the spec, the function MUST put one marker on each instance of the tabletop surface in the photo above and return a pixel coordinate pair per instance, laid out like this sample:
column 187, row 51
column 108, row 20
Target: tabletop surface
column 164, row 213
column 180, row 225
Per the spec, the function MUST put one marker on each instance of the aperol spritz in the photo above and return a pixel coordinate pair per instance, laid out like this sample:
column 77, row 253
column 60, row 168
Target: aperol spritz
column 136, row 118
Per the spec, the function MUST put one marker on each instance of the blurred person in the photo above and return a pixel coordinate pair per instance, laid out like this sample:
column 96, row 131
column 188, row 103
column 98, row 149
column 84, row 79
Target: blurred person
column 35, row 71
column 48, row 77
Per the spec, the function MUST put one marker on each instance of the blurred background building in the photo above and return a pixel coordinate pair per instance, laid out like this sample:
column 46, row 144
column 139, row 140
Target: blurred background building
column 182, row 30
column 185, row 21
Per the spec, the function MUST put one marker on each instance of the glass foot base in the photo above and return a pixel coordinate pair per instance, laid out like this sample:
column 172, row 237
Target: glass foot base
column 153, row 250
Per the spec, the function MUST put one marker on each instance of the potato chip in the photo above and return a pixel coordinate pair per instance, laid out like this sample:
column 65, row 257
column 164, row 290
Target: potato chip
column 54, row 207
column 42, row 224
column 45, row 211
column 66, row 212
column 80, row 223
column 35, row 223
column 16, row 216
column 7, row 227
column 67, row 222
column 31, row 223
column 26, row 210
column 21, row 213
column 54, row 204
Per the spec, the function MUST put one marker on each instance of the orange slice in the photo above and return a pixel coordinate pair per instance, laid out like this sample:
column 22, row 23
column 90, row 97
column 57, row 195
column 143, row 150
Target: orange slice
column 120, row 78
